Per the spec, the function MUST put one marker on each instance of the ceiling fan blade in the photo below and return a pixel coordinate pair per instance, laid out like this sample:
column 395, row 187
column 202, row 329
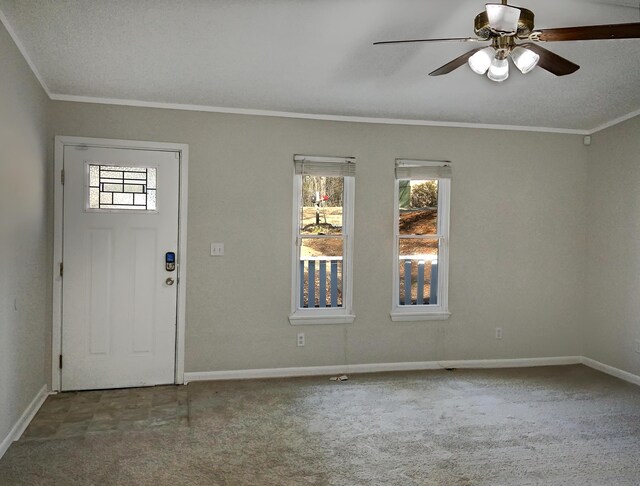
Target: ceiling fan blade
column 552, row 62
column 591, row 32
column 450, row 39
column 455, row 64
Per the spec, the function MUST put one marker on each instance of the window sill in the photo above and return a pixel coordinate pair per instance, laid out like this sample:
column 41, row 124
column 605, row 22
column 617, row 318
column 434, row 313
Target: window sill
column 397, row 316
column 298, row 320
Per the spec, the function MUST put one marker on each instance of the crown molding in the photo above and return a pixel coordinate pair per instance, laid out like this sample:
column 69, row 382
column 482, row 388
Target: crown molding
column 23, row 51
column 615, row 121
column 311, row 116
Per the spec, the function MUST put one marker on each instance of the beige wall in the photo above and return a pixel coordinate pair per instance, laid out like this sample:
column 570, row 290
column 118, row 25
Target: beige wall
column 517, row 237
column 25, row 269
column 614, row 247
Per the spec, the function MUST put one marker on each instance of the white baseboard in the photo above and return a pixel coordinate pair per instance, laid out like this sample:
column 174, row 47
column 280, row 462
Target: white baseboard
column 610, row 370
column 262, row 373
column 513, row 363
column 377, row 367
column 20, row 426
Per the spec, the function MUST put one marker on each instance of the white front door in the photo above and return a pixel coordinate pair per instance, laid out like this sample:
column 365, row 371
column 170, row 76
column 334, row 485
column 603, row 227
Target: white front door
column 119, row 295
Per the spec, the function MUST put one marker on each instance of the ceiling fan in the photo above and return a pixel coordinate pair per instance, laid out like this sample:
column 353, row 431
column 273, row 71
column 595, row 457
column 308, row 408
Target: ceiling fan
column 503, row 25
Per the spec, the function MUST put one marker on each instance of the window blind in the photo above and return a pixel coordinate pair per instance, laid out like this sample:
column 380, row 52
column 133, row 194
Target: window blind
column 325, row 166
column 423, row 169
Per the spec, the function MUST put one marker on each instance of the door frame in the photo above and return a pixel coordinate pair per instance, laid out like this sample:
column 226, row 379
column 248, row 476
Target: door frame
column 182, row 150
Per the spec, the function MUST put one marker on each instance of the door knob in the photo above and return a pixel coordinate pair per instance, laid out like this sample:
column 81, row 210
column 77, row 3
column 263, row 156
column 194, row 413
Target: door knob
column 169, row 281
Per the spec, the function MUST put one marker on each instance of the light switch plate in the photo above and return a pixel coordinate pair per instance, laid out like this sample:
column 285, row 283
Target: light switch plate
column 217, row 249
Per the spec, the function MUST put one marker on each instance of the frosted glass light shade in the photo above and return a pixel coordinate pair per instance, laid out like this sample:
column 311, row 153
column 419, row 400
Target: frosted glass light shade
column 499, row 70
column 481, row 60
column 503, row 18
column 524, row 59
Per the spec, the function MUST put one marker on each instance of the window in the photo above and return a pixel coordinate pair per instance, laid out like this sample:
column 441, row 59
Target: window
column 323, row 244
column 420, row 281
column 121, row 188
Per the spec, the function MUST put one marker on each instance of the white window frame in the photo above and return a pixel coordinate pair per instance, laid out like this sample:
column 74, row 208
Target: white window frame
column 324, row 315
column 424, row 170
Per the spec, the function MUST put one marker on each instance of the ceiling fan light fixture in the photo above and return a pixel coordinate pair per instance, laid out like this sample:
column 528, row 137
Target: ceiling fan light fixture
column 481, row 60
column 503, row 18
column 499, row 70
column 524, row 59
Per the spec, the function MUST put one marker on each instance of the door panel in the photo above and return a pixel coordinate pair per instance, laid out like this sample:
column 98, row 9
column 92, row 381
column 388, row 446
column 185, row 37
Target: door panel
column 144, row 258
column 98, row 264
column 119, row 312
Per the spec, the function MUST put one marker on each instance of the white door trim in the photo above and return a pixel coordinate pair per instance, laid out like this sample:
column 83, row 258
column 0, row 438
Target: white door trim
column 56, row 335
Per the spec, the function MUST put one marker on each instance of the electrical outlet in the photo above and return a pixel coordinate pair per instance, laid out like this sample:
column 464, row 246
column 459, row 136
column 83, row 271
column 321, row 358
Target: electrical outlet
column 498, row 333
column 300, row 339
column 638, row 346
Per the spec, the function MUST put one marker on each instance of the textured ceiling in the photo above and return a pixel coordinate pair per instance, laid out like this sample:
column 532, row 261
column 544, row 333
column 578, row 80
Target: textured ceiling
column 316, row 57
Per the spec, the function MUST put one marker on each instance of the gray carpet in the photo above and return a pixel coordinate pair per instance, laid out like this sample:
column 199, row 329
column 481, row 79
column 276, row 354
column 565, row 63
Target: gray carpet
column 566, row 425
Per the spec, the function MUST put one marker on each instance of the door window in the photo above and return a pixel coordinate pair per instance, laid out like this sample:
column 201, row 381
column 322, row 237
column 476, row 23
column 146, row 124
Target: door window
column 121, row 188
